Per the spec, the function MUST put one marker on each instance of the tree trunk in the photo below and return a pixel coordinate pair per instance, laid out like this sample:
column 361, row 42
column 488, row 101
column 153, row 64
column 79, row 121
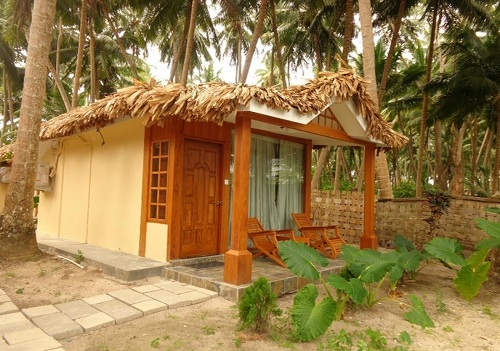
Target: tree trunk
column 79, row 56
column 180, row 44
column 94, row 86
column 59, row 85
column 255, row 38
column 336, row 181
column 17, row 231
column 323, row 157
column 189, row 43
column 457, row 157
column 119, row 40
column 390, row 53
column 495, row 179
column 348, row 30
column 277, row 44
column 425, row 104
column 382, row 170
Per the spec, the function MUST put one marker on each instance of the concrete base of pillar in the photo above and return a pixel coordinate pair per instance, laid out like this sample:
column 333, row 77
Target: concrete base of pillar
column 368, row 242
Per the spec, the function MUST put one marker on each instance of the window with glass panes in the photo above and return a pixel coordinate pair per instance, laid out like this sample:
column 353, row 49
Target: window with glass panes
column 158, row 181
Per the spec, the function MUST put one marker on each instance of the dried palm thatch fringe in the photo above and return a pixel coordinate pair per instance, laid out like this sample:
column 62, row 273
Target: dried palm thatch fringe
column 215, row 101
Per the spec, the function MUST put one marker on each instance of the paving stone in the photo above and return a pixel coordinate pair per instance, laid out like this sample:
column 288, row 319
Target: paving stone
column 120, row 311
column 8, row 307
column 98, row 299
column 24, row 335
column 205, row 291
column 169, row 298
column 58, row 325
column 15, row 326
column 146, row 288
column 39, row 311
column 12, row 318
column 150, row 306
column 76, row 309
column 129, row 296
column 4, row 298
column 95, row 321
column 45, row 343
column 174, row 287
column 196, row 296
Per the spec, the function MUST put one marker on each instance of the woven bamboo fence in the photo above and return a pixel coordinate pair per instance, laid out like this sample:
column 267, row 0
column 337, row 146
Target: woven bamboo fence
column 406, row 217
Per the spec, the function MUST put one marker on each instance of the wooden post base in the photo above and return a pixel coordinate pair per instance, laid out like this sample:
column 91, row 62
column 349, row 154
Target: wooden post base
column 368, row 242
column 238, row 267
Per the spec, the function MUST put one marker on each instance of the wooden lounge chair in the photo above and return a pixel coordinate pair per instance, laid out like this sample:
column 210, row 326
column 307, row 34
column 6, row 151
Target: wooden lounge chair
column 327, row 239
column 265, row 241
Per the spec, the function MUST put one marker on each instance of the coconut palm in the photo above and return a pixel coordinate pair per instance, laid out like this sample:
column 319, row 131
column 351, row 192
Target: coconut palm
column 17, row 231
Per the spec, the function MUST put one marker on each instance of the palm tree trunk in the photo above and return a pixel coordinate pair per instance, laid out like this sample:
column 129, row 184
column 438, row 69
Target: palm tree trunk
column 60, row 86
column 390, row 53
column 79, row 57
column 279, row 56
column 94, row 86
column 425, row 104
column 17, row 230
column 348, row 30
column 119, row 40
column 495, row 186
column 323, row 157
column 382, row 170
column 457, row 178
column 255, row 38
column 189, row 43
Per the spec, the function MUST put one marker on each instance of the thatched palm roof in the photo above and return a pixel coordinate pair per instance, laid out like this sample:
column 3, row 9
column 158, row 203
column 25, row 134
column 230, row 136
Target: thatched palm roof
column 217, row 100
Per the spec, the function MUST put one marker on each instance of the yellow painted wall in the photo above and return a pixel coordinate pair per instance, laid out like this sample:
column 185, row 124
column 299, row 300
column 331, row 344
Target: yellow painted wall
column 116, row 188
column 97, row 193
column 156, row 241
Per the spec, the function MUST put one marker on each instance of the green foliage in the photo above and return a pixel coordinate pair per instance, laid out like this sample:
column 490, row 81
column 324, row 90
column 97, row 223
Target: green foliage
column 257, row 306
column 404, row 190
column 79, row 257
column 447, row 250
column 367, row 340
column 418, row 315
column 310, row 320
column 155, row 343
column 366, row 271
column 473, row 274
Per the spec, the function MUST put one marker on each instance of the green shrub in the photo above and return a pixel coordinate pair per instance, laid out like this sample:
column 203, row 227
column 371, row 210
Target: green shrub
column 404, row 190
column 257, row 306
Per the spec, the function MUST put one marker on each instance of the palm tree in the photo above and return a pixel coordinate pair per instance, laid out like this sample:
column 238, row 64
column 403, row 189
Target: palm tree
column 17, row 231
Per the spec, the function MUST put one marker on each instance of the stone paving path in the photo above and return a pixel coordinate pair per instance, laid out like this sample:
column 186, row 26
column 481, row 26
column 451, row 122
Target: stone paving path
column 39, row 328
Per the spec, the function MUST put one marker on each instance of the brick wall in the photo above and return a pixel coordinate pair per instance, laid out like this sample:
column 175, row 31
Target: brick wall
column 405, row 217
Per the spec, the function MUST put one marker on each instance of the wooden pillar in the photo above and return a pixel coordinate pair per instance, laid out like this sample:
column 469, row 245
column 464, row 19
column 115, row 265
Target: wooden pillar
column 369, row 239
column 238, row 260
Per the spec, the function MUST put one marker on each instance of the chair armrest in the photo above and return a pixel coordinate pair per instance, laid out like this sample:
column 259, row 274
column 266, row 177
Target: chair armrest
column 263, row 233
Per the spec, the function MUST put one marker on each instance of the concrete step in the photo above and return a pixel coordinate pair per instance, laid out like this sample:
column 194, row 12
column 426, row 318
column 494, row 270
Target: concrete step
column 117, row 264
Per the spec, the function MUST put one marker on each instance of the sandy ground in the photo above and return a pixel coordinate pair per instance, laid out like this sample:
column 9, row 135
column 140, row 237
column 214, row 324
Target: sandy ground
column 212, row 325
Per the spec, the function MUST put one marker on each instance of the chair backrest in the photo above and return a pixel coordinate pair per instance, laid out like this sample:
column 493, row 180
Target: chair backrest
column 254, row 226
column 301, row 219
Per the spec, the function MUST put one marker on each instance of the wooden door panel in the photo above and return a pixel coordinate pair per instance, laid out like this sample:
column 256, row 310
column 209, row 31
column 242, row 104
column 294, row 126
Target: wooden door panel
column 200, row 207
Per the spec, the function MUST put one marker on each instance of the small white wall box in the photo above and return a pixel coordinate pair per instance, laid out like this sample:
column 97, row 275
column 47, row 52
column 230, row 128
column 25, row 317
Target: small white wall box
column 42, row 177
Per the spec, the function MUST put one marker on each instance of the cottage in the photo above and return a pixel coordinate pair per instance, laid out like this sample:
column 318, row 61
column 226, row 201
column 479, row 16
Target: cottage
column 170, row 172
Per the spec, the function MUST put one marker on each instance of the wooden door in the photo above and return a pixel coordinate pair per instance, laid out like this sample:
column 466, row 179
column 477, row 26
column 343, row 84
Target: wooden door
column 201, row 199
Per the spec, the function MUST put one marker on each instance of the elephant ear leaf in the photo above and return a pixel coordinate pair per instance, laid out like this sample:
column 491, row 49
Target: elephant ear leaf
column 472, row 276
column 374, row 266
column 418, row 315
column 446, row 250
column 354, row 288
column 493, row 230
column 403, row 244
column 301, row 259
column 309, row 320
